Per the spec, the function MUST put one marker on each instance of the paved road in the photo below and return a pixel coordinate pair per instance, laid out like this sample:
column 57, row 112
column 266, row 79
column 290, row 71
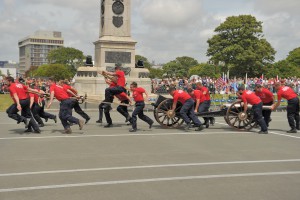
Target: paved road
column 98, row 163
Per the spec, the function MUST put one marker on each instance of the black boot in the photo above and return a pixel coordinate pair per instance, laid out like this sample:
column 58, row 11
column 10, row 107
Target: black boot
column 29, row 130
column 206, row 123
column 107, row 125
column 293, row 130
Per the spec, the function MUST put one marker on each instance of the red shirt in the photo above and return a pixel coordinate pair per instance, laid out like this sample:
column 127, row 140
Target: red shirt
column 19, row 89
column 207, row 95
column 180, row 95
column 121, row 78
column 265, row 95
column 198, row 95
column 138, row 94
column 59, row 92
column 122, row 96
column 250, row 97
column 112, row 84
column 35, row 97
column 286, row 92
column 67, row 87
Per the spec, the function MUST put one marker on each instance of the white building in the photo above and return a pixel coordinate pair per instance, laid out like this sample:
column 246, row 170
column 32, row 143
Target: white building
column 34, row 49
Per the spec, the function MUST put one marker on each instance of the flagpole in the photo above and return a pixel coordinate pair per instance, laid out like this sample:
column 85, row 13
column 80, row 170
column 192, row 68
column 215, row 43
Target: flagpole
column 246, row 80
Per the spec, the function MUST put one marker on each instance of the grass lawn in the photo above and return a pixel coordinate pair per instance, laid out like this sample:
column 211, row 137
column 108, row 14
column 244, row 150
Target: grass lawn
column 5, row 101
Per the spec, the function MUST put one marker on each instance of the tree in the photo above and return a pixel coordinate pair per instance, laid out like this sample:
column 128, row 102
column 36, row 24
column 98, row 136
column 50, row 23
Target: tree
column 29, row 73
column 283, row 69
column 156, row 73
column 58, row 71
column 294, row 57
column 179, row 67
column 239, row 43
column 205, row 69
column 70, row 57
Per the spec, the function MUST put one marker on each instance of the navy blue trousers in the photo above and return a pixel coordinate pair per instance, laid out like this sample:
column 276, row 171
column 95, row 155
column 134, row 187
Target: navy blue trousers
column 257, row 110
column 139, row 111
column 187, row 112
column 65, row 113
column 12, row 112
column 293, row 113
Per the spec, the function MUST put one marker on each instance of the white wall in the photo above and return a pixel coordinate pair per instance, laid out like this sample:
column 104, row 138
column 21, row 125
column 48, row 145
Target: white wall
column 12, row 71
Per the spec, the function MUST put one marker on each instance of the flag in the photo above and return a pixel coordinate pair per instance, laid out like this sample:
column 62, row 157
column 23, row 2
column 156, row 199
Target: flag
column 220, row 82
column 259, row 81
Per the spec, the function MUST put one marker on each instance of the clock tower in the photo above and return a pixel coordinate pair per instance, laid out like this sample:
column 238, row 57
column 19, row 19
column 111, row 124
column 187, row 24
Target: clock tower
column 114, row 45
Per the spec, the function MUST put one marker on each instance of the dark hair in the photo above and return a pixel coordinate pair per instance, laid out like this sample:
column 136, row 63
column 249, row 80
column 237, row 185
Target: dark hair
column 134, row 84
column 66, row 81
column 51, row 79
column 277, row 84
column 190, row 90
column 21, row 80
column 171, row 89
column 258, row 86
column 32, row 85
column 10, row 79
column 118, row 66
column 241, row 88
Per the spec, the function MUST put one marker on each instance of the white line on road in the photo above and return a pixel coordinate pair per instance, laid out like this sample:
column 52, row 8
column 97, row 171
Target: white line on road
column 148, row 180
column 275, row 133
column 149, row 166
column 140, row 133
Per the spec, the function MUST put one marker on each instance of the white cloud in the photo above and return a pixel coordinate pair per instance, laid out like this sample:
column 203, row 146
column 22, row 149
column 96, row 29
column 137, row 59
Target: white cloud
column 164, row 29
column 171, row 13
column 270, row 7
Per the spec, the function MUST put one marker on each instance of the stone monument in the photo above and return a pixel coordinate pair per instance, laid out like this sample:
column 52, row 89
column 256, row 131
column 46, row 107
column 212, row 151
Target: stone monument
column 115, row 45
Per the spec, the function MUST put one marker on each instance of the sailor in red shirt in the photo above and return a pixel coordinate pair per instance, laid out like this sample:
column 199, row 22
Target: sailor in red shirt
column 19, row 94
column 106, row 106
column 37, row 105
column 292, row 107
column 66, row 106
column 67, row 86
column 123, row 109
column 137, row 94
column 267, row 98
column 198, row 97
column 204, row 107
column 248, row 96
column 119, row 78
column 187, row 110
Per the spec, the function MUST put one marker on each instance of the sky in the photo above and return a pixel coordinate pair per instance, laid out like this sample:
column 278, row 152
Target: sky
column 163, row 29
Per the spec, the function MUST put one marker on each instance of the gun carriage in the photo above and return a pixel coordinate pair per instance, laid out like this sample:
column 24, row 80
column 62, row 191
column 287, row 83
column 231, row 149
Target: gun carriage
column 233, row 114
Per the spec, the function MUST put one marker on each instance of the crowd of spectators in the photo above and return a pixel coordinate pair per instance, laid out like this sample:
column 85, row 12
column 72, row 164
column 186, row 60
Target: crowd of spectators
column 222, row 86
column 216, row 86
column 38, row 82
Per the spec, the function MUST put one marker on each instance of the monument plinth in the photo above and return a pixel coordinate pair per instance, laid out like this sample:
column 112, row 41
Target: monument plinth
column 115, row 45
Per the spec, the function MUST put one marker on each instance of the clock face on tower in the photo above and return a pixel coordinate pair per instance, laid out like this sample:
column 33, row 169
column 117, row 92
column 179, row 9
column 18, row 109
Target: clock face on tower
column 118, row 7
